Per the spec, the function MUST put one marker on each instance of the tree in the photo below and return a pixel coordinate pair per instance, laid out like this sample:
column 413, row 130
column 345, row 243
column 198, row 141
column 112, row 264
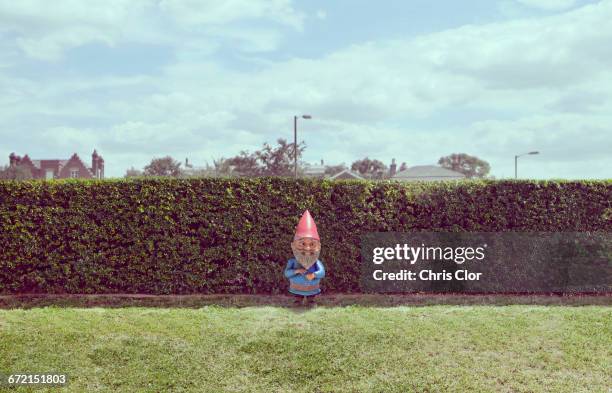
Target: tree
column 165, row 166
column 133, row 172
column 470, row 166
column 269, row 161
column 222, row 167
column 15, row 172
column 278, row 161
column 244, row 164
column 334, row 169
column 373, row 169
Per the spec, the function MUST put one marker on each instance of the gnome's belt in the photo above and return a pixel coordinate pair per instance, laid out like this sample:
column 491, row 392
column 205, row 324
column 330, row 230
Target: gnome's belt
column 304, row 287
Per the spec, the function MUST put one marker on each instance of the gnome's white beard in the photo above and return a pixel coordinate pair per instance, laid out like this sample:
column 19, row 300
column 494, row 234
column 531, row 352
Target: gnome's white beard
column 306, row 259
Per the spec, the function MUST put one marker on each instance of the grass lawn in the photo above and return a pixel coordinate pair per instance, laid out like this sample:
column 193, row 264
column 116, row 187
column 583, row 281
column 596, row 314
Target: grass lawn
column 438, row 348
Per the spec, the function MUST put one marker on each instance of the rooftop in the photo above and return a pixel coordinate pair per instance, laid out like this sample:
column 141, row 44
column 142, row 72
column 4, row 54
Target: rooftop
column 428, row 171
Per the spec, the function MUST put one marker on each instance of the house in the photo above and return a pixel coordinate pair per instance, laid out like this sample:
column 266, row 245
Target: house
column 61, row 169
column 314, row 170
column 190, row 170
column 346, row 174
column 427, row 173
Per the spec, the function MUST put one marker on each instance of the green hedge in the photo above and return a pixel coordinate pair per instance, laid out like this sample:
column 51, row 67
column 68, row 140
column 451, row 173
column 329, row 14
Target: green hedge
column 163, row 236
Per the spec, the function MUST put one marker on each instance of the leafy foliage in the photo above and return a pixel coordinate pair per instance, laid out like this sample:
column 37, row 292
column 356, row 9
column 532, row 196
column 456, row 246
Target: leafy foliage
column 165, row 166
column 470, row 166
column 269, row 161
column 278, row 161
column 244, row 164
column 368, row 168
column 232, row 235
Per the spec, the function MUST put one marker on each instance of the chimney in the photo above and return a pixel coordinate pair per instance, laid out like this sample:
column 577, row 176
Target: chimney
column 100, row 173
column 95, row 163
column 392, row 168
column 322, row 162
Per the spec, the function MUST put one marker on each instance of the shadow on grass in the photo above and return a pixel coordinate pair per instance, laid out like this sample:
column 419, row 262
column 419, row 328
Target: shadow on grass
column 324, row 300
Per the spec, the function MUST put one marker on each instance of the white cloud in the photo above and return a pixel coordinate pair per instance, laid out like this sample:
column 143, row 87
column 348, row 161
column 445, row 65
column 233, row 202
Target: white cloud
column 542, row 84
column 195, row 13
column 69, row 140
column 45, row 30
column 551, row 5
column 248, row 40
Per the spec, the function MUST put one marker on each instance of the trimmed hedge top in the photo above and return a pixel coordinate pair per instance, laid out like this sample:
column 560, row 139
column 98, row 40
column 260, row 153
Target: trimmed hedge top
column 208, row 235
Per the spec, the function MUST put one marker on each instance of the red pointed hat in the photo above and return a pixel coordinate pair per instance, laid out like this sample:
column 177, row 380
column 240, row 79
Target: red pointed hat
column 306, row 227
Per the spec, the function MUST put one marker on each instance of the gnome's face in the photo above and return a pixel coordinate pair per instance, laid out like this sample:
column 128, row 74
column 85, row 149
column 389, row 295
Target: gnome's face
column 306, row 250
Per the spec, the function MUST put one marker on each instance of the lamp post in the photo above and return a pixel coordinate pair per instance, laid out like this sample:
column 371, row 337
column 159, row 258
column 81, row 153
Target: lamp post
column 531, row 153
column 295, row 141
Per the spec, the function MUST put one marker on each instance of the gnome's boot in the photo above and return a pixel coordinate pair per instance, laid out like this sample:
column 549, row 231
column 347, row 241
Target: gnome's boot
column 299, row 300
column 311, row 301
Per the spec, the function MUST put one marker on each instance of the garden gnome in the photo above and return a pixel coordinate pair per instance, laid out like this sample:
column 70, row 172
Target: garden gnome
column 305, row 271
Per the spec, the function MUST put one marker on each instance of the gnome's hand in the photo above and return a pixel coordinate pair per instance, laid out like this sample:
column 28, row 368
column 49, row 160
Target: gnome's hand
column 310, row 276
column 300, row 271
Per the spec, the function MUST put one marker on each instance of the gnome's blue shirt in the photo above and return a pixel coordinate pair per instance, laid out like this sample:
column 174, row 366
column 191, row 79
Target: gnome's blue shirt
column 298, row 283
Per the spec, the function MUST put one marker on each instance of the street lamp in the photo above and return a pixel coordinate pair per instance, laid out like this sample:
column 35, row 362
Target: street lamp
column 531, row 153
column 295, row 141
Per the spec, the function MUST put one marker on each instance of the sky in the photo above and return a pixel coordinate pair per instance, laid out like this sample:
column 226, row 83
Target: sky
column 411, row 80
